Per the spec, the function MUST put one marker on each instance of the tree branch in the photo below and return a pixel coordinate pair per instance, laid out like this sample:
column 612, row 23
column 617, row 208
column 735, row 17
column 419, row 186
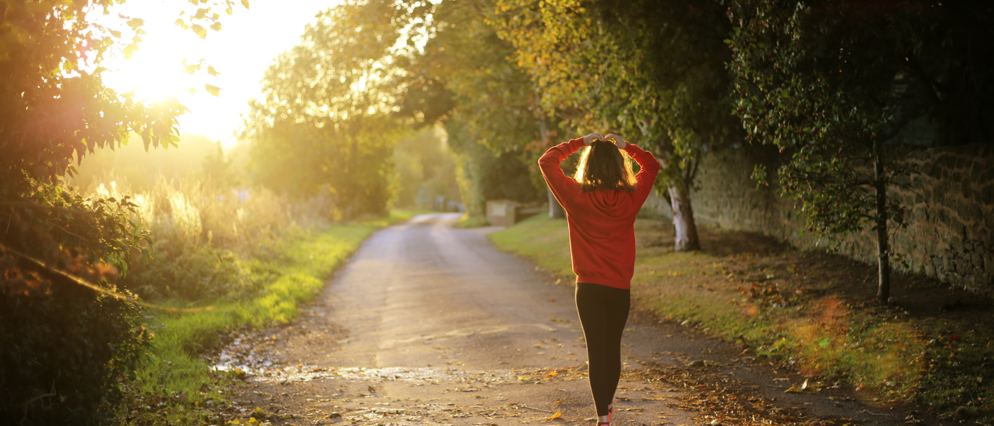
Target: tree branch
column 78, row 280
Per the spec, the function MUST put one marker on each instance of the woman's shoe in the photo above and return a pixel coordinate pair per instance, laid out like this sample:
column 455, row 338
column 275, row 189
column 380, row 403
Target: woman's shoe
column 610, row 415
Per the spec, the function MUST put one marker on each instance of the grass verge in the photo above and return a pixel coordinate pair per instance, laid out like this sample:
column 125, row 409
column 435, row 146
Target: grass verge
column 466, row 221
column 810, row 311
column 175, row 378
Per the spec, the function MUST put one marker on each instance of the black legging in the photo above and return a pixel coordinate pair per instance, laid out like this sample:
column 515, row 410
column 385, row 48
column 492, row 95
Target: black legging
column 603, row 313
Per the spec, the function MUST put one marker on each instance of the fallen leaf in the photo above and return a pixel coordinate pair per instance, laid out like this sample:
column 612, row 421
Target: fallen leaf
column 804, row 388
column 555, row 416
column 259, row 413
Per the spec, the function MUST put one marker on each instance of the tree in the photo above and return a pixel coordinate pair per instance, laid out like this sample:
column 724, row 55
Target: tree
column 652, row 71
column 464, row 79
column 68, row 334
column 424, row 169
column 831, row 83
column 327, row 121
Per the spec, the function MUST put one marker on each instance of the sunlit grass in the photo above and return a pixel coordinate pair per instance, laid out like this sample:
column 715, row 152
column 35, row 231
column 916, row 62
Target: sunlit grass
column 467, row 221
column 783, row 306
column 541, row 238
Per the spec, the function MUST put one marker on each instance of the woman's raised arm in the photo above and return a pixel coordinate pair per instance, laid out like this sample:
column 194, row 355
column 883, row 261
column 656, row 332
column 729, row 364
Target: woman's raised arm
column 558, row 182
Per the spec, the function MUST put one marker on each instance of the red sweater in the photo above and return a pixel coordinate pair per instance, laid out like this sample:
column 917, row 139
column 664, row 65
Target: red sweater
column 601, row 222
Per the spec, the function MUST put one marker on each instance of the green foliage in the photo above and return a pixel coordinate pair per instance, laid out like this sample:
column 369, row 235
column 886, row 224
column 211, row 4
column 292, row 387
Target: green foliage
column 204, row 235
column 491, row 95
column 484, row 175
column 325, row 123
column 63, row 354
column 651, row 71
column 488, row 105
column 194, row 155
column 61, row 340
column 830, row 82
column 506, row 177
column 423, row 169
column 195, row 274
column 823, row 81
column 65, row 345
column 822, row 109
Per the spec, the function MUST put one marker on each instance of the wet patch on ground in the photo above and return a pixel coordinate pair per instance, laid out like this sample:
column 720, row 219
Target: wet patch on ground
column 653, row 391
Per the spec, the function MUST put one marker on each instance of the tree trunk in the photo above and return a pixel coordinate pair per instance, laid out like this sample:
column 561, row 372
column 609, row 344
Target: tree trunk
column 883, row 249
column 683, row 219
column 556, row 211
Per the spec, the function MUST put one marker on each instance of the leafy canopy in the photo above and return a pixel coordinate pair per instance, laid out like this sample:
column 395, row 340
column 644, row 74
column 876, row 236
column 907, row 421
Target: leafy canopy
column 327, row 118
column 651, row 71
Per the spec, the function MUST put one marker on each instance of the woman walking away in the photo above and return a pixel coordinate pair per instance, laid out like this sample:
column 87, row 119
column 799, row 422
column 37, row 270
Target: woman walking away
column 601, row 204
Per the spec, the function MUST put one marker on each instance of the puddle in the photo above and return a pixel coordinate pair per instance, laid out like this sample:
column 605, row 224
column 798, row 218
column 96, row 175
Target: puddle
column 247, row 353
column 425, row 375
column 423, row 414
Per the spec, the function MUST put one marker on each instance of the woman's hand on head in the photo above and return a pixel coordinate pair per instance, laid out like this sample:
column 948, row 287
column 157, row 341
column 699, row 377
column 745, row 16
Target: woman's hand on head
column 618, row 140
column 589, row 139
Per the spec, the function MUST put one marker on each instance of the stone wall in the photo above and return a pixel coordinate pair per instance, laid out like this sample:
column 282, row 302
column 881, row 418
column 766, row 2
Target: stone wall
column 950, row 210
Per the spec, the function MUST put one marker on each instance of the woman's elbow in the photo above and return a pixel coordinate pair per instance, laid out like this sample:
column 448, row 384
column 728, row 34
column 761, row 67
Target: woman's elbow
column 547, row 161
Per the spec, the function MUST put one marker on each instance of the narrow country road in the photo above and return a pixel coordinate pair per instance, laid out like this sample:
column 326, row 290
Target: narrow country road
column 430, row 325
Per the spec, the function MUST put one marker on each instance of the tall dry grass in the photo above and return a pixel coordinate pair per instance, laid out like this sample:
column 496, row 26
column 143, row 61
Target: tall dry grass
column 207, row 239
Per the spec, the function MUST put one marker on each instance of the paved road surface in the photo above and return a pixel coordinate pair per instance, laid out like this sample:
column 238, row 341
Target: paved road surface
column 430, row 325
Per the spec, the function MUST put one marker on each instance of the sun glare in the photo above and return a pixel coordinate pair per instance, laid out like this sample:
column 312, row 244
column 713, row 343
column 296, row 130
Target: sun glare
column 155, row 72
column 240, row 54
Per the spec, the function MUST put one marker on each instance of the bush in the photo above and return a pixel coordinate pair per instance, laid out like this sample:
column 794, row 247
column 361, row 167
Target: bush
column 62, row 353
column 202, row 234
column 194, row 274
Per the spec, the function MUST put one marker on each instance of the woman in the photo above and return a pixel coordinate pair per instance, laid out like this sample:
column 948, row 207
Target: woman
column 601, row 202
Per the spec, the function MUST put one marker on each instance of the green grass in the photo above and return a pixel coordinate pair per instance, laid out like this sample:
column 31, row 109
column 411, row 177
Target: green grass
column 174, row 364
column 541, row 238
column 466, row 221
column 792, row 306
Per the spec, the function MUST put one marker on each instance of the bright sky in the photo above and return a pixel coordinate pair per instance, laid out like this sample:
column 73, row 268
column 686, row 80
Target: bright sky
column 248, row 41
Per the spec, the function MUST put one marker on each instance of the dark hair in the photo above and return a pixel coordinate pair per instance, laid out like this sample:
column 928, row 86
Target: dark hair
column 603, row 166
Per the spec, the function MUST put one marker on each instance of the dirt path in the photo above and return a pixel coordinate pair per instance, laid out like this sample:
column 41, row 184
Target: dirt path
column 430, row 325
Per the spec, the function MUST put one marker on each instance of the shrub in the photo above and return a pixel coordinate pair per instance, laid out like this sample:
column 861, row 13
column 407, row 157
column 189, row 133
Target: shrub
column 61, row 354
column 203, row 232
